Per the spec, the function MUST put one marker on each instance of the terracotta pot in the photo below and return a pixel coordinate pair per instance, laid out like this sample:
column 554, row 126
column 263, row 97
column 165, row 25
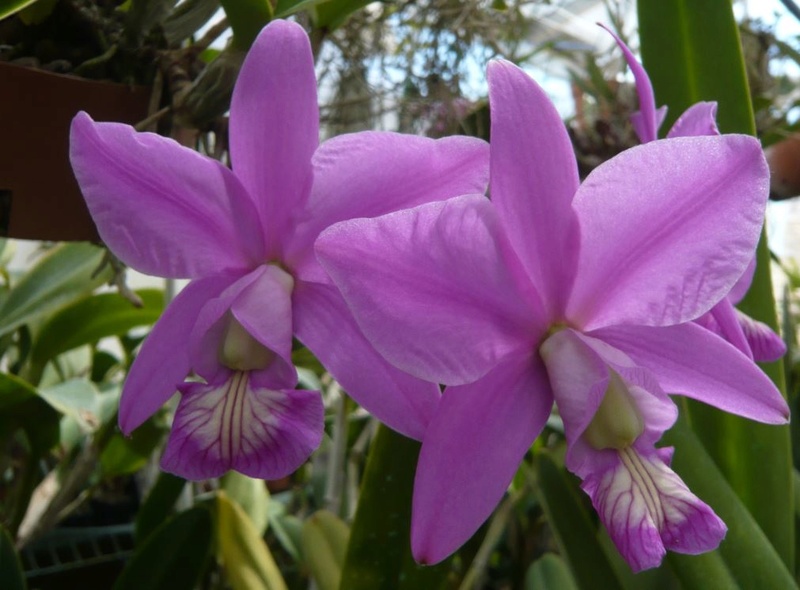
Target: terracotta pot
column 39, row 197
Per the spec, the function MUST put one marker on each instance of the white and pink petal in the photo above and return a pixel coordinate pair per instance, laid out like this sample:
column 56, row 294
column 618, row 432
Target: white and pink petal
column 237, row 425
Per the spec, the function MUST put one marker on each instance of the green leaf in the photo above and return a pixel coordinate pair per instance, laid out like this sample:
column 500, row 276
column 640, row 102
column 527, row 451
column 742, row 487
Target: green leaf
column 575, row 533
column 251, row 495
column 333, row 13
column 750, row 557
column 247, row 18
column 38, row 12
column 22, row 407
column 159, row 504
column 241, row 550
column 11, row 574
column 123, row 455
column 549, row 572
column 62, row 275
column 9, row 7
column 92, row 318
column 324, row 539
column 173, row 557
column 691, row 50
column 379, row 552
column 286, row 8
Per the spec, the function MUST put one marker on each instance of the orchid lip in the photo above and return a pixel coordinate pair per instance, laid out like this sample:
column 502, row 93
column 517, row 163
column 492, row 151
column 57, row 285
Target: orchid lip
column 240, row 351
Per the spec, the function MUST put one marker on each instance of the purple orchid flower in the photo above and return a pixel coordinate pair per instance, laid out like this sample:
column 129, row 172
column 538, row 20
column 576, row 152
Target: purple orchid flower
column 582, row 294
column 244, row 237
column 756, row 339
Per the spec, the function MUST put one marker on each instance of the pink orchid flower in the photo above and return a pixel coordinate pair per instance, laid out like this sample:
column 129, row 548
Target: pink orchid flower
column 579, row 294
column 755, row 339
column 244, row 237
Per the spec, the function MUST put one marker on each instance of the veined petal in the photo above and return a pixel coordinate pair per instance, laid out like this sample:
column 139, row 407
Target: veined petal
column 261, row 302
column 647, row 509
column 690, row 360
column 667, row 229
column 728, row 327
column 372, row 173
column 488, row 425
column 325, row 325
column 163, row 360
column 162, row 208
column 647, row 122
column 435, row 289
column 274, row 126
column 263, row 433
column 698, row 119
column 534, row 176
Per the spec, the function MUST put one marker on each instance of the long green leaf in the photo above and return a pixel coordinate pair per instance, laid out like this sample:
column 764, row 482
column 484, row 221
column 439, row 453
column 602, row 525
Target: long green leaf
column 549, row 572
column 692, row 52
column 324, row 537
column 9, row 7
column 173, row 557
column 88, row 320
column 159, row 504
column 62, row 275
column 11, row 575
column 247, row 18
column 379, row 553
column 577, row 537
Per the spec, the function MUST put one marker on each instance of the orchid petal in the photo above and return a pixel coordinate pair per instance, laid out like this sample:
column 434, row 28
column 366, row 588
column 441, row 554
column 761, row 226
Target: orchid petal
column 689, row 360
column 741, row 287
column 325, row 325
column 765, row 345
column 433, row 288
column 274, row 126
column 531, row 155
column 647, row 123
column 261, row 302
column 641, row 127
column 728, row 327
column 667, row 229
column 489, row 424
column 163, row 360
column 698, row 119
column 372, row 173
column 162, row 208
column 262, row 433
column 647, row 509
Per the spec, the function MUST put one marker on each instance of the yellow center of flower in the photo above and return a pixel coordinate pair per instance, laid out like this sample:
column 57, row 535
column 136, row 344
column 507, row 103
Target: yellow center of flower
column 617, row 422
column 240, row 351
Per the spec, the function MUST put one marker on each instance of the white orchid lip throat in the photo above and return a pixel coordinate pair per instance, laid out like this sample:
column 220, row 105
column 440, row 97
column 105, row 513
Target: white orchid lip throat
column 617, row 422
column 240, row 351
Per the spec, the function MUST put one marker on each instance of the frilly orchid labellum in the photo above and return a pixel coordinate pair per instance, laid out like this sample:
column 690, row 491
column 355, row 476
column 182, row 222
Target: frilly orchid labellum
column 752, row 337
column 582, row 294
column 244, row 237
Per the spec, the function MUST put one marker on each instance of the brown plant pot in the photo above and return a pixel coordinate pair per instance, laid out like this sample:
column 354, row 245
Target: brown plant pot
column 39, row 197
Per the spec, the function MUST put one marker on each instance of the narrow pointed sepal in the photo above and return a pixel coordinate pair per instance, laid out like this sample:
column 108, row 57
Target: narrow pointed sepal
column 647, row 509
column 236, row 425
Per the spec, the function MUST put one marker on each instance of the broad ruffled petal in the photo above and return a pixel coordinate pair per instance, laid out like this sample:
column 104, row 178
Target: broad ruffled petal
column 435, row 289
column 698, row 119
column 667, row 228
column 647, row 508
column 373, row 173
column 163, row 360
column 646, row 122
column 690, row 360
column 325, row 325
column 261, row 302
column 274, row 126
column 534, row 177
column 263, row 433
column 471, row 451
column 162, row 208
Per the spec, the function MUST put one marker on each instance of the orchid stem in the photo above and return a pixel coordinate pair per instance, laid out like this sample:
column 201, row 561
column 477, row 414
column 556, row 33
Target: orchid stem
column 335, row 479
